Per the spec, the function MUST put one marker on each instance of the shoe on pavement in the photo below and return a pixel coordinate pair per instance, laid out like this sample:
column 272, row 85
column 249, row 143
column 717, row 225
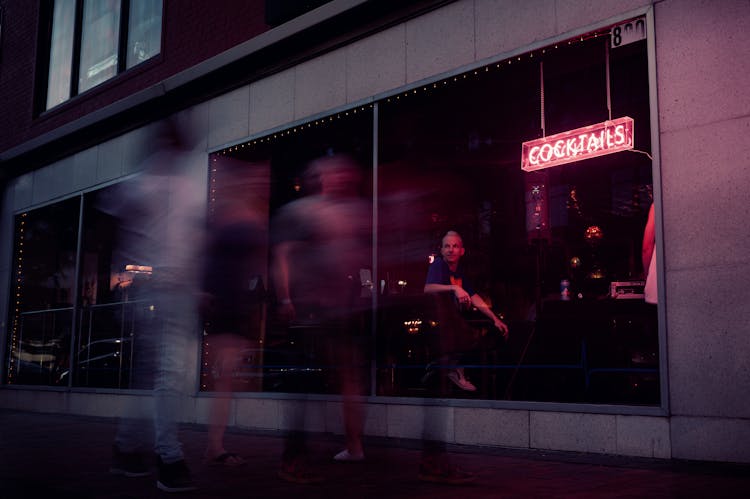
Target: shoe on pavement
column 461, row 382
column 347, row 457
column 174, row 477
column 129, row 464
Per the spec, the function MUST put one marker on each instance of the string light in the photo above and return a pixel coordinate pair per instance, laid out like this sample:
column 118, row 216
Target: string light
column 14, row 346
column 497, row 65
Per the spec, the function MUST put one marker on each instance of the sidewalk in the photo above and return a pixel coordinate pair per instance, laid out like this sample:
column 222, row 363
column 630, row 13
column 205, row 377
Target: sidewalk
column 62, row 456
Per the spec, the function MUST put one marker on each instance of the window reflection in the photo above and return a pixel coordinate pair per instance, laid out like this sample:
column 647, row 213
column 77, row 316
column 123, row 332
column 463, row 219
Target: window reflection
column 99, row 42
column 556, row 253
column 450, row 161
column 61, row 52
column 45, row 266
column 87, row 50
column 283, row 356
column 110, row 312
column 144, row 31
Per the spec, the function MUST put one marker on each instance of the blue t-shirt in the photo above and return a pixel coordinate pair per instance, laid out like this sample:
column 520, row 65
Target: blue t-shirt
column 440, row 273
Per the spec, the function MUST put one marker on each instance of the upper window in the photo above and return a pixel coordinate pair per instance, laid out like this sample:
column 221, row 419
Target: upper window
column 91, row 41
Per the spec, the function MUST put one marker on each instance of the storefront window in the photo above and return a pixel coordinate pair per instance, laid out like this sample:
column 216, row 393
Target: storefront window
column 319, row 240
column 546, row 249
column 306, row 190
column 112, row 314
column 43, row 292
column 556, row 253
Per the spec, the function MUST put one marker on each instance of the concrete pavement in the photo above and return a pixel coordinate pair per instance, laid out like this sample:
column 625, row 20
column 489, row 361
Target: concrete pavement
column 64, row 456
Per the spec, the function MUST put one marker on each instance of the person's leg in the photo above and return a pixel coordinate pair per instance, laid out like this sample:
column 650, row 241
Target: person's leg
column 225, row 353
column 294, row 459
column 350, row 363
column 435, row 463
column 170, row 387
column 133, row 442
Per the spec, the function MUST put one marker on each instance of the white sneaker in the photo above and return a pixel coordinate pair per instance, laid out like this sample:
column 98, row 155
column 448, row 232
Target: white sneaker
column 461, row 382
column 348, row 457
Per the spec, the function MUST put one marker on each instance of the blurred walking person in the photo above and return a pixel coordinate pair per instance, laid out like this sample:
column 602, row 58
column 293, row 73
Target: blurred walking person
column 159, row 213
column 322, row 241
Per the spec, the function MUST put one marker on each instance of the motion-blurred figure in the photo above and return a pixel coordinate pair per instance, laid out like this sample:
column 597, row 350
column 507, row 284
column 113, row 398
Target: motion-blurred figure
column 321, row 243
column 160, row 213
column 234, row 294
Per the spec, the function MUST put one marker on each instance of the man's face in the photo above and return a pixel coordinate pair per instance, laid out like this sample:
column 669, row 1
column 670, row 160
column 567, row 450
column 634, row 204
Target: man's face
column 452, row 250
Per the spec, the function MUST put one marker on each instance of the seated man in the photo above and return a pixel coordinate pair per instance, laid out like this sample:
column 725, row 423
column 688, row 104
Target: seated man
column 445, row 277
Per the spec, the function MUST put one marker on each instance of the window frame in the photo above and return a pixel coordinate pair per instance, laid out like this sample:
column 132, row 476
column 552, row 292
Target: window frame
column 44, row 42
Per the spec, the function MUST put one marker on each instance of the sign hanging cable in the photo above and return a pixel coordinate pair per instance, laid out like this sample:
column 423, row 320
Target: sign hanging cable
column 541, row 96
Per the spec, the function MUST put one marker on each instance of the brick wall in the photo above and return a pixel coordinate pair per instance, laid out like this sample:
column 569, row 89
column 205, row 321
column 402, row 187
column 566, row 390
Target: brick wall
column 194, row 30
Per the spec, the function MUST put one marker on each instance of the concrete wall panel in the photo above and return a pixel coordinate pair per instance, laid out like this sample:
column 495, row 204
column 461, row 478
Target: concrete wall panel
column 504, row 25
column 84, row 166
column 711, row 439
column 709, row 367
column 492, row 427
column 440, row 41
column 257, row 413
column 320, row 84
column 84, row 175
column 228, row 117
column 574, row 14
column 23, row 187
column 376, row 64
column 272, row 101
column 577, row 432
column 643, row 436
column 298, row 414
column 42, row 401
column 135, row 148
column 56, row 180
column 706, row 174
column 109, row 160
column 415, row 421
column 701, row 47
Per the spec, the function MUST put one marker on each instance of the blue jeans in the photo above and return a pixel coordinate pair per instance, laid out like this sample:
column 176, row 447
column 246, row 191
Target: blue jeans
column 165, row 359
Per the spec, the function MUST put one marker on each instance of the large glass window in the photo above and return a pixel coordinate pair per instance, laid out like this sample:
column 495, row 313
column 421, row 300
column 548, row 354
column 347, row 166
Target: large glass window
column 556, row 253
column 91, row 41
column 43, row 294
column 550, row 250
column 320, row 236
column 112, row 313
column 307, row 190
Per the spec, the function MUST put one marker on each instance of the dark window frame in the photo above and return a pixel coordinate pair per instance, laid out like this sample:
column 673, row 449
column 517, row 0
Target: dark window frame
column 44, row 44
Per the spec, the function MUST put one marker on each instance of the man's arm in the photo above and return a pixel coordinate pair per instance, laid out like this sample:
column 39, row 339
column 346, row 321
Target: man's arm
column 461, row 295
column 480, row 305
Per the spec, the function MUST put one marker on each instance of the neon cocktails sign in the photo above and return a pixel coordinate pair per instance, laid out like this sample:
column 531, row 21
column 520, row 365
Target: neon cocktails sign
column 582, row 143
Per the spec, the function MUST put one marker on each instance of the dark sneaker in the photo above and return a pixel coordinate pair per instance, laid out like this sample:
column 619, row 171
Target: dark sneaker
column 298, row 472
column 129, row 464
column 445, row 474
column 174, row 477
